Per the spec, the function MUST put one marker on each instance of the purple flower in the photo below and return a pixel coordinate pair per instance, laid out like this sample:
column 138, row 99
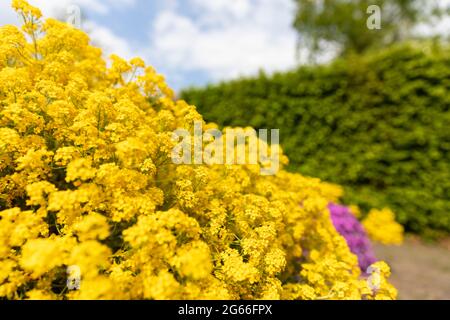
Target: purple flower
column 353, row 232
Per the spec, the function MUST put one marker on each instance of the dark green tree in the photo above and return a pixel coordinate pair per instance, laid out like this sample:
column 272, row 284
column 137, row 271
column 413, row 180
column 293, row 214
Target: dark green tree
column 344, row 23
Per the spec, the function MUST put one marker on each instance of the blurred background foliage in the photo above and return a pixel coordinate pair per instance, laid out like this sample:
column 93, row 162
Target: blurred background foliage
column 378, row 124
column 343, row 23
column 376, row 120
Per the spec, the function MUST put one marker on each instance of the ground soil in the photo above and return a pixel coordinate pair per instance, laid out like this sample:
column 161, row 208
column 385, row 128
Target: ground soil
column 419, row 270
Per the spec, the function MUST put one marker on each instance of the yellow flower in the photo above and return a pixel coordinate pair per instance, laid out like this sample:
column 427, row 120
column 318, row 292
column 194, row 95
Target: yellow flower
column 87, row 182
column 275, row 261
column 41, row 255
column 161, row 287
column 91, row 227
column 382, row 227
column 234, row 269
column 80, row 169
column 36, row 294
column 26, row 8
column 193, row 260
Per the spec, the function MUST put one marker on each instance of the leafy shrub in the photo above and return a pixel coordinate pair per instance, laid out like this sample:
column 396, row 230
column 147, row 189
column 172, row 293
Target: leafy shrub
column 377, row 124
column 88, row 190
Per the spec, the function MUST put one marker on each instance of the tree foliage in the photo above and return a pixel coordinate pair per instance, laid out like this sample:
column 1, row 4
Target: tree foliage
column 344, row 23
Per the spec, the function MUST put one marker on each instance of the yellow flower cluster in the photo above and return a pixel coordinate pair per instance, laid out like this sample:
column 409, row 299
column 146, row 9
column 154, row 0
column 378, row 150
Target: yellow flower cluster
column 382, row 227
column 86, row 180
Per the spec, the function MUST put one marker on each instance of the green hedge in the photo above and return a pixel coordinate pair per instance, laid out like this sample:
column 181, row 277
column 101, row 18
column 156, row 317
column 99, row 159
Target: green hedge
column 378, row 125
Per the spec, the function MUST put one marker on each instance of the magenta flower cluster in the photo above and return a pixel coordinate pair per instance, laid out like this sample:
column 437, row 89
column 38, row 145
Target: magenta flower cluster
column 353, row 232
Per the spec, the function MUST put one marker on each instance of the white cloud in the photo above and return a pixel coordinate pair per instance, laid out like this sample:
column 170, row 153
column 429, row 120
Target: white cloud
column 110, row 43
column 7, row 15
column 226, row 38
column 53, row 7
column 441, row 26
column 222, row 8
column 58, row 8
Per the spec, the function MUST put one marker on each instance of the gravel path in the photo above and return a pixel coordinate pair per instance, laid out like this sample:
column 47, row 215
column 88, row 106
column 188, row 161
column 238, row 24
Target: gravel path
column 419, row 271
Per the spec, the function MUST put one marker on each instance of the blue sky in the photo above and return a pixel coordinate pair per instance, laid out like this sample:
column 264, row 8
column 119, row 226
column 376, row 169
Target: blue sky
column 191, row 42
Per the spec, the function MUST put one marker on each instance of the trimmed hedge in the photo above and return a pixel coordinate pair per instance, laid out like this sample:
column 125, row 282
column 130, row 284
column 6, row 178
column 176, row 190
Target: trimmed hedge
column 378, row 124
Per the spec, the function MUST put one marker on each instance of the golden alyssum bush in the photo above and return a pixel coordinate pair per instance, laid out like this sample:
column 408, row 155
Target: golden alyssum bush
column 86, row 180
